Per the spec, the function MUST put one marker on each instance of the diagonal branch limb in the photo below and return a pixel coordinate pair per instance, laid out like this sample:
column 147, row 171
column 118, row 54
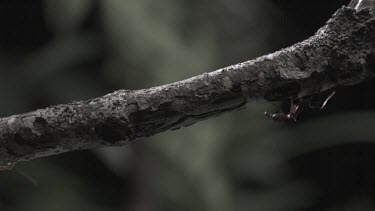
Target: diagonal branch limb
column 341, row 53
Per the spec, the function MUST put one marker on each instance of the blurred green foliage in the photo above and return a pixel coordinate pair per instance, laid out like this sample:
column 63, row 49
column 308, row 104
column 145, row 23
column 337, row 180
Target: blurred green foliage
column 60, row 51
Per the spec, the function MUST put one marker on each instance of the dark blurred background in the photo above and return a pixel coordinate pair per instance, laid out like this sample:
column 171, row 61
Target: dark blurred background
column 54, row 52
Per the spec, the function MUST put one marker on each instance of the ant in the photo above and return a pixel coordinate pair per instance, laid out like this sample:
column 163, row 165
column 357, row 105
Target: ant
column 7, row 167
column 295, row 109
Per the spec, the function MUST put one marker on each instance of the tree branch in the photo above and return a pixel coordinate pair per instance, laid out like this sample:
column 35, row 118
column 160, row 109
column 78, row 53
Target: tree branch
column 362, row 4
column 342, row 53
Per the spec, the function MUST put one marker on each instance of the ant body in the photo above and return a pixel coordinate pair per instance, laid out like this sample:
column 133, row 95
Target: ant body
column 7, row 167
column 295, row 109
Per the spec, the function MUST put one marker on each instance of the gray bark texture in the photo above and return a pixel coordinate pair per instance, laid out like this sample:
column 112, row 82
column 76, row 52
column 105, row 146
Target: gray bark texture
column 342, row 53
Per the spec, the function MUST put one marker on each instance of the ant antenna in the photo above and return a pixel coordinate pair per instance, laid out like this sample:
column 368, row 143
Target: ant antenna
column 27, row 177
column 10, row 167
column 268, row 114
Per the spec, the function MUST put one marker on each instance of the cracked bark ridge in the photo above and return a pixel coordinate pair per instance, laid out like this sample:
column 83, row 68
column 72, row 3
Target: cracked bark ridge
column 340, row 54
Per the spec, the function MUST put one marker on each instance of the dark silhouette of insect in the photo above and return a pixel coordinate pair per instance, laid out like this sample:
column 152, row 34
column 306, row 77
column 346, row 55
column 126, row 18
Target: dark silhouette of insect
column 296, row 108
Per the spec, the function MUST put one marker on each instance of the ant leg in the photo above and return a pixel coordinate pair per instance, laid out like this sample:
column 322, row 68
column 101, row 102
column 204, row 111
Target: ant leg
column 316, row 105
column 327, row 99
column 294, row 110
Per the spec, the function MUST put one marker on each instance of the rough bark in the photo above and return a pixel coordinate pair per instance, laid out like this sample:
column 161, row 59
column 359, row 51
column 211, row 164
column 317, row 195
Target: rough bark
column 342, row 53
